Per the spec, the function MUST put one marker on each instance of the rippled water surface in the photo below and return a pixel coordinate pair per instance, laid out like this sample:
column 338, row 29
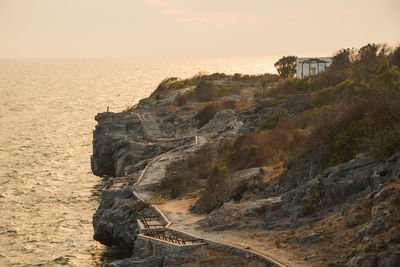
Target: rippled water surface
column 47, row 190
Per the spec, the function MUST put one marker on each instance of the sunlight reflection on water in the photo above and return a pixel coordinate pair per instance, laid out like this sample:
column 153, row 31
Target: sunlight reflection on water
column 47, row 191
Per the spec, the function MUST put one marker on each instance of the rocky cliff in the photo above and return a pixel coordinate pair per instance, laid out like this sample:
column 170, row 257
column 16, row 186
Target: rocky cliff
column 345, row 214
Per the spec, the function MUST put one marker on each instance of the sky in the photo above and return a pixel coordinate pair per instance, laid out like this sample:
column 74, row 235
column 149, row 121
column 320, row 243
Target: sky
column 192, row 28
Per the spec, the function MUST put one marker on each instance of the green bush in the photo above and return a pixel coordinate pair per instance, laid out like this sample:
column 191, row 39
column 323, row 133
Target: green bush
column 293, row 104
column 395, row 57
column 266, row 104
column 223, row 170
column 271, row 122
column 167, row 85
column 349, row 140
column 224, row 91
column 291, row 87
column 385, row 145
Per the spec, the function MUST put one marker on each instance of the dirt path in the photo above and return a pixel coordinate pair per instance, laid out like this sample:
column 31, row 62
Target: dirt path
column 177, row 212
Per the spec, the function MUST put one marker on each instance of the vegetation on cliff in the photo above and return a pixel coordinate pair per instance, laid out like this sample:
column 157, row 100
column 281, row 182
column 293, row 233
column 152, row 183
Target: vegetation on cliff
column 353, row 106
column 309, row 166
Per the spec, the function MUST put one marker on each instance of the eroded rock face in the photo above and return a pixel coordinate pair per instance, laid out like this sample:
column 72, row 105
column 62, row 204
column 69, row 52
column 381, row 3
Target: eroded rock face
column 226, row 123
column 345, row 182
column 109, row 136
column 286, row 200
column 114, row 222
column 117, row 151
column 118, row 144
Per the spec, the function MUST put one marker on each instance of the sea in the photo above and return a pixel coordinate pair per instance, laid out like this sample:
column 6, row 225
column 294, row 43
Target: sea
column 48, row 193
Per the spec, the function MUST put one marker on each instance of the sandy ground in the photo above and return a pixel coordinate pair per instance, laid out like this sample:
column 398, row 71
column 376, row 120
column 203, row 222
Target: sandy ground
column 177, row 211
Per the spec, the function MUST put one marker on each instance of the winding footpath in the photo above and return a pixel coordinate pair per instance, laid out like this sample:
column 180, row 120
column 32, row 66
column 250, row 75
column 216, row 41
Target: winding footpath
column 154, row 172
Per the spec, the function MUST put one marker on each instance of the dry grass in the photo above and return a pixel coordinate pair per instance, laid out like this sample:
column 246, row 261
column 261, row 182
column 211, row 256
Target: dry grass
column 343, row 116
column 187, row 176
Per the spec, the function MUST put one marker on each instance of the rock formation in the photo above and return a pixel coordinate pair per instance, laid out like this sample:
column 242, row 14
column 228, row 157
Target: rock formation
column 307, row 203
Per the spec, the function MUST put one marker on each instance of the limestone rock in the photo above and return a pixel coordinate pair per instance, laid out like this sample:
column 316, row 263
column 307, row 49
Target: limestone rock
column 114, row 222
column 226, row 123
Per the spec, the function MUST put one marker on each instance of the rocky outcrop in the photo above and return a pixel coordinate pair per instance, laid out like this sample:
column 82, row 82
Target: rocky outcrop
column 303, row 200
column 123, row 144
column 110, row 135
column 291, row 105
column 226, row 123
column 123, row 140
column 306, row 192
column 114, row 222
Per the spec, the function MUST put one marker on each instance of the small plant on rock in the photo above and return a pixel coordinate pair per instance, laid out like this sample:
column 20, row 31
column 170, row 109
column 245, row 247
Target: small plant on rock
column 271, row 122
column 158, row 199
column 308, row 209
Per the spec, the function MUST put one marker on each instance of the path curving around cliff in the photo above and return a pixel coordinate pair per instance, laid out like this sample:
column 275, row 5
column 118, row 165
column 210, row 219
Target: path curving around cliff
column 176, row 213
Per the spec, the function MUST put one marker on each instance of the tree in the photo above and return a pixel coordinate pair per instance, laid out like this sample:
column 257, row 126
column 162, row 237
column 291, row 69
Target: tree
column 286, row 66
column 341, row 60
column 395, row 57
column 368, row 59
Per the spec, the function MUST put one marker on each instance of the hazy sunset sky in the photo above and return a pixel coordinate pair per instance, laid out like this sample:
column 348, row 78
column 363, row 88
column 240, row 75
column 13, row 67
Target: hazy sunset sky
column 192, row 28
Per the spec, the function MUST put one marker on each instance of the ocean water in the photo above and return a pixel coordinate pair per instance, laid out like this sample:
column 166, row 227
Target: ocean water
column 47, row 107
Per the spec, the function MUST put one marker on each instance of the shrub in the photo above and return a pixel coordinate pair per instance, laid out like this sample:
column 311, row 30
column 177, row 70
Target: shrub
column 271, row 122
column 308, row 209
column 141, row 205
column 175, row 185
column 204, row 92
column 206, row 114
column 386, row 79
column 130, row 108
column 341, row 60
column 328, row 78
column 266, row 104
column 209, row 111
column 290, row 87
column 223, row 91
column 367, row 60
column 349, row 140
column 293, row 104
column 240, row 189
column 395, row 57
column 263, row 148
column 218, row 190
column 385, row 145
column 343, row 91
column 204, row 77
column 158, row 199
column 167, row 85
column 184, row 176
column 223, row 170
